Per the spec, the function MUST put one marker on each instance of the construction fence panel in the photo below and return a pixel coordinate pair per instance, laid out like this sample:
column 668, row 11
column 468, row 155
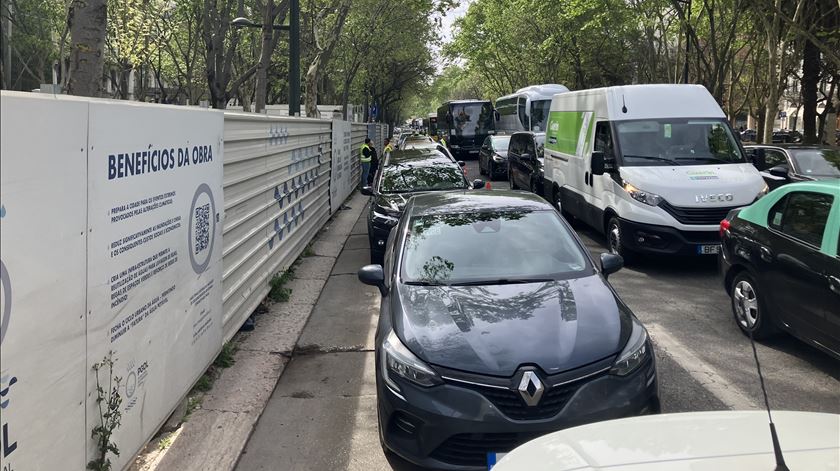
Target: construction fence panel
column 276, row 186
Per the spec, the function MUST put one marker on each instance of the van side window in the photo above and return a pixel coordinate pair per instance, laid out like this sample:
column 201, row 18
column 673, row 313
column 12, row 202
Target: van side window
column 603, row 139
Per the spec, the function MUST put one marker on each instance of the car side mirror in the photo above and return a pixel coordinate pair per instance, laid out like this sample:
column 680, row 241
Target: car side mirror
column 611, row 263
column 373, row 275
column 597, row 166
column 367, row 191
column 478, row 184
column 462, row 163
column 525, row 157
column 780, row 171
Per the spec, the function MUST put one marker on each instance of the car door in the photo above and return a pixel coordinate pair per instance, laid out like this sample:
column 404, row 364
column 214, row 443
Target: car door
column 794, row 279
column 526, row 160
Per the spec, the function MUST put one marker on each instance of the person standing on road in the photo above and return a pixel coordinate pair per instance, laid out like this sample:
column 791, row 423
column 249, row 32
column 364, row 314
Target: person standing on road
column 443, row 141
column 388, row 147
column 374, row 164
column 365, row 156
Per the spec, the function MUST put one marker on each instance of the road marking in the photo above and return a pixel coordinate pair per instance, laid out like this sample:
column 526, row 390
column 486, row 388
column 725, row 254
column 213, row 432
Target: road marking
column 729, row 394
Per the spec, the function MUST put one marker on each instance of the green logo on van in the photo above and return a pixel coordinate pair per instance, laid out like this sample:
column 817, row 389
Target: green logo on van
column 568, row 131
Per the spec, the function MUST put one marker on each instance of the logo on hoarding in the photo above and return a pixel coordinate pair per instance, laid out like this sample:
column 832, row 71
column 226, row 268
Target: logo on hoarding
column 202, row 229
column 6, row 287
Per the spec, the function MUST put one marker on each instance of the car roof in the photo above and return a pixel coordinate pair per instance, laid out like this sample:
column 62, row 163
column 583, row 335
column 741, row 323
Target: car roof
column 476, row 201
column 420, row 157
column 831, row 186
column 684, row 441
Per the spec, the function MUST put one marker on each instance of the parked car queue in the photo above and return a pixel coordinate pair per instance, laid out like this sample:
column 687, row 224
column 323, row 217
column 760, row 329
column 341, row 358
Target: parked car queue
column 458, row 380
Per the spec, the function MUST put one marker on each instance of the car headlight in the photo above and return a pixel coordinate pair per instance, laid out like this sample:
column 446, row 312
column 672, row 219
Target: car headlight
column 397, row 359
column 642, row 196
column 498, row 158
column 635, row 352
column 762, row 192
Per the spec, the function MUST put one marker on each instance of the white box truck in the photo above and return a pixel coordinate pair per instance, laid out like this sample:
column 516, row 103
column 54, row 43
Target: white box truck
column 654, row 167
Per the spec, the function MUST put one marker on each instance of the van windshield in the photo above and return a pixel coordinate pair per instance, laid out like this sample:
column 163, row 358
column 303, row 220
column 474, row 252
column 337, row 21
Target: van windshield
column 668, row 142
column 539, row 114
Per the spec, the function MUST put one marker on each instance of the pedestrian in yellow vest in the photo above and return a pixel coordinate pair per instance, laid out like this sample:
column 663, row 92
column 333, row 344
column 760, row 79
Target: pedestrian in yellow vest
column 365, row 156
column 388, row 147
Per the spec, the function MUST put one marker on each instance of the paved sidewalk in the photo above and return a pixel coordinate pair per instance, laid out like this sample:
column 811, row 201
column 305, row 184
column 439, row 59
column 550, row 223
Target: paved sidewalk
column 215, row 434
column 322, row 415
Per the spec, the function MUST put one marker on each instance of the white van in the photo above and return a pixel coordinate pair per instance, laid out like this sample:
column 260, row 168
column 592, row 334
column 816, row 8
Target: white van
column 526, row 109
column 655, row 167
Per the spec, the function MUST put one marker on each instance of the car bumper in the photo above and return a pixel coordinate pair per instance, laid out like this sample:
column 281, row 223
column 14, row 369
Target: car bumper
column 664, row 240
column 500, row 168
column 454, row 427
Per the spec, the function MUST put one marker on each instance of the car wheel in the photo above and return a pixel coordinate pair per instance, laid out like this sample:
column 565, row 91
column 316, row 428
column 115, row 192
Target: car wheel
column 511, row 181
column 614, row 242
column 748, row 307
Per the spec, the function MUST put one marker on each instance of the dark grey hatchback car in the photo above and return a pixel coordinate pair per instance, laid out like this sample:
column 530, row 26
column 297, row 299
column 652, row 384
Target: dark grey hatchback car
column 495, row 327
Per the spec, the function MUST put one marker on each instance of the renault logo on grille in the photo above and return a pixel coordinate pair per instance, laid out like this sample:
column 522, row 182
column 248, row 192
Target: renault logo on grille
column 531, row 388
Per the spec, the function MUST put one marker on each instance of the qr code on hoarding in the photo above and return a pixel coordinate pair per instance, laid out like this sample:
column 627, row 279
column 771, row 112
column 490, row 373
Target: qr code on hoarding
column 202, row 227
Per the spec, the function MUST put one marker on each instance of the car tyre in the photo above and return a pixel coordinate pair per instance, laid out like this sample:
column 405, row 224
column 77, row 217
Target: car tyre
column 748, row 307
column 614, row 242
column 511, row 181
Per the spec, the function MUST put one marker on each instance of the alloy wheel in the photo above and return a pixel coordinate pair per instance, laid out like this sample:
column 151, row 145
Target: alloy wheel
column 746, row 304
column 614, row 239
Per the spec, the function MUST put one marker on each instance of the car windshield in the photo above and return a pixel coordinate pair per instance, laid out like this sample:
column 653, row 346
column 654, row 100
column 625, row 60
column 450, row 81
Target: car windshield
column 401, row 178
column 492, row 247
column 539, row 114
column 500, row 143
column 471, row 119
column 668, row 142
column 817, row 162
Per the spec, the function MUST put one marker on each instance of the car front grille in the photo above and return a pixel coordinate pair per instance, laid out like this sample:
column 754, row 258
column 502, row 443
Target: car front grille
column 510, row 402
column 696, row 216
column 470, row 449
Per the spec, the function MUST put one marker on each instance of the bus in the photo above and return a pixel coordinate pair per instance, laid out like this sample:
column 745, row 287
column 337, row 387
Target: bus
column 527, row 108
column 465, row 124
column 431, row 124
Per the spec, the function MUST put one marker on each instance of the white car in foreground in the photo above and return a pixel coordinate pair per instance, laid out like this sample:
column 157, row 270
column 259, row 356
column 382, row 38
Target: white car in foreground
column 718, row 441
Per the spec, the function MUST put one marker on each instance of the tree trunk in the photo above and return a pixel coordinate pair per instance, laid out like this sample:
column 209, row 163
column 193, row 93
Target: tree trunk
column 810, row 82
column 759, row 127
column 88, row 21
column 772, row 104
column 311, row 98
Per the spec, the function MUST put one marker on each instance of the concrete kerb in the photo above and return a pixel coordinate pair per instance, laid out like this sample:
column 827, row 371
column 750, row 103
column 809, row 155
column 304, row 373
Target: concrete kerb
column 216, row 433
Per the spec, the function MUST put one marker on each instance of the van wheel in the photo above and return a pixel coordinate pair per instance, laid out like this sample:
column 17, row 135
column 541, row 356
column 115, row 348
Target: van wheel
column 614, row 242
column 748, row 307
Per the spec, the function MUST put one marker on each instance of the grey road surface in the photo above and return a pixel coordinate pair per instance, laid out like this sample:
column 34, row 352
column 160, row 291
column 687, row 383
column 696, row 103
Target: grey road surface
column 322, row 415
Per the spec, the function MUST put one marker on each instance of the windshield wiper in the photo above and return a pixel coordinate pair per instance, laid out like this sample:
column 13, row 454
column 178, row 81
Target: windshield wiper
column 502, row 281
column 653, row 157
column 424, row 283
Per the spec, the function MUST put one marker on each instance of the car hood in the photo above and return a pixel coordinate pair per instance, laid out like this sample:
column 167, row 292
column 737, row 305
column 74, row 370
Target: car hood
column 688, row 441
column 681, row 185
column 494, row 329
column 394, row 201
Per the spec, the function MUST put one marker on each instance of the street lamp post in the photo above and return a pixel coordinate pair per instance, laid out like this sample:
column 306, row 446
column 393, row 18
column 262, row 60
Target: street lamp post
column 687, row 36
column 294, row 51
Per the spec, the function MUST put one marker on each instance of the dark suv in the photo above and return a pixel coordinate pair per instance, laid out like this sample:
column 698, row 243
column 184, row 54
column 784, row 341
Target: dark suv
column 525, row 161
column 405, row 174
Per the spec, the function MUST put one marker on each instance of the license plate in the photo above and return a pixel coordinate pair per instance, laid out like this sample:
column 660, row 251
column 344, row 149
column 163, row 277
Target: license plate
column 708, row 249
column 493, row 458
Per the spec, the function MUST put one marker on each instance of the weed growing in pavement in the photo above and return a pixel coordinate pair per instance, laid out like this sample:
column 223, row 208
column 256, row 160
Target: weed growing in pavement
column 308, row 252
column 108, row 400
column 165, row 442
column 193, row 404
column 205, row 383
column 279, row 293
column 225, row 358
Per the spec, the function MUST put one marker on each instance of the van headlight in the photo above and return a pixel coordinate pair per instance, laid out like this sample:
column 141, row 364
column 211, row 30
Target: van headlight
column 397, row 359
column 642, row 196
column 635, row 353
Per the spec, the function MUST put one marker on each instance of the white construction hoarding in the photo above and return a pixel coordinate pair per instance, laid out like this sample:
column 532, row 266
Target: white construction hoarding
column 154, row 250
column 43, row 200
column 342, row 182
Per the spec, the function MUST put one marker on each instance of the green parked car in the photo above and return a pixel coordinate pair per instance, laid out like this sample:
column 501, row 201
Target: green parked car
column 780, row 260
